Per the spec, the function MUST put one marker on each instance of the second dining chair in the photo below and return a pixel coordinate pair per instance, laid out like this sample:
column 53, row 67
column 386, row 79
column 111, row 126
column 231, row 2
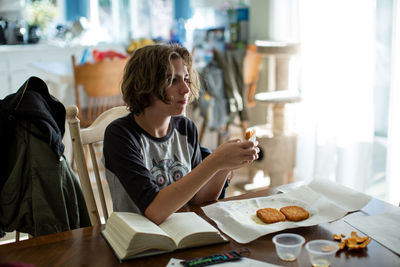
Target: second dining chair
column 90, row 136
column 97, row 87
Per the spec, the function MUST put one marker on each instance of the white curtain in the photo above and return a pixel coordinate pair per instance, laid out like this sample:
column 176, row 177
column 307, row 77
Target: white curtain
column 393, row 166
column 335, row 118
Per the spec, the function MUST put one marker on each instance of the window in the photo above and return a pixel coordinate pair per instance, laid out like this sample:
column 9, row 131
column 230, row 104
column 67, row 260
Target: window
column 121, row 20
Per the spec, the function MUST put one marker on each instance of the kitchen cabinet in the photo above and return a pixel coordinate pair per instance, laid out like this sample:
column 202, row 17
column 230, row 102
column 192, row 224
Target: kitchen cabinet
column 16, row 62
column 15, row 67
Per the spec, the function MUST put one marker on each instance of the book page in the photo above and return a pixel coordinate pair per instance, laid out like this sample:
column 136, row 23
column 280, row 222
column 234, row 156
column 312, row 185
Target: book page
column 189, row 229
column 137, row 223
column 131, row 234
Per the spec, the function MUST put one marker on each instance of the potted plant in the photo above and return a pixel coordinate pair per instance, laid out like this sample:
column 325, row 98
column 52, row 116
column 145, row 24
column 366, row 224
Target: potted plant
column 38, row 14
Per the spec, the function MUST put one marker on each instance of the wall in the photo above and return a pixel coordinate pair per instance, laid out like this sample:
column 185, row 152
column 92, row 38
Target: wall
column 259, row 20
column 11, row 9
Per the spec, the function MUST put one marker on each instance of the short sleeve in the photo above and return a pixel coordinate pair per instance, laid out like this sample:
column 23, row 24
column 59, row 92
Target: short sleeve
column 123, row 157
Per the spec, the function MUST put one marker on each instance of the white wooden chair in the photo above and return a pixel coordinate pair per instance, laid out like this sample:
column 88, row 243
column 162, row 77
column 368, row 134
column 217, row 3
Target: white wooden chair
column 90, row 136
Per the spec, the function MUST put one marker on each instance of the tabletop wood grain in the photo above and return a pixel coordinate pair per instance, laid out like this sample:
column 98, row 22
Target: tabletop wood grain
column 86, row 247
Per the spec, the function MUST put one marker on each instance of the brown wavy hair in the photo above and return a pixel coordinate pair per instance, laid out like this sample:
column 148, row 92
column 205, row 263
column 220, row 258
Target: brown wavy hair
column 145, row 75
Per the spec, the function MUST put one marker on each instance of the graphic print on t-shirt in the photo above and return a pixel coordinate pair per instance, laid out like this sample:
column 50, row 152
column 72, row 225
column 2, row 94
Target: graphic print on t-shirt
column 167, row 171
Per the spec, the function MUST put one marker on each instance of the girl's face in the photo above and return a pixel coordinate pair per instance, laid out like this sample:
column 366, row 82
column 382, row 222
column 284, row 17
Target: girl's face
column 178, row 92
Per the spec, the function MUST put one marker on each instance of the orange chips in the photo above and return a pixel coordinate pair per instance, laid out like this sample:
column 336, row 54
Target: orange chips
column 353, row 242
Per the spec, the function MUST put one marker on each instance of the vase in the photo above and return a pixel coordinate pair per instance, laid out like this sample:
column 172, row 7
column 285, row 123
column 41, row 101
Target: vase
column 33, row 34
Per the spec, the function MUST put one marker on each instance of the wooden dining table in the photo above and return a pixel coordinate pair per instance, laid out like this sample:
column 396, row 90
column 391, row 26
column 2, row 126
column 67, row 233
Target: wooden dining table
column 86, row 246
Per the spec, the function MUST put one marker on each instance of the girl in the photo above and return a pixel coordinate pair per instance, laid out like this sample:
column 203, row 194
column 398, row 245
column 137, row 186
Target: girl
column 152, row 156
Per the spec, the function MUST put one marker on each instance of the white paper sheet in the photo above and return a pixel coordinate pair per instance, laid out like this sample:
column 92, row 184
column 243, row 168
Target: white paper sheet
column 238, row 218
column 384, row 228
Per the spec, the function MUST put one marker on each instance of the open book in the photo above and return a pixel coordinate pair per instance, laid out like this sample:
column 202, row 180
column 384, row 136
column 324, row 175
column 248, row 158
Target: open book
column 132, row 235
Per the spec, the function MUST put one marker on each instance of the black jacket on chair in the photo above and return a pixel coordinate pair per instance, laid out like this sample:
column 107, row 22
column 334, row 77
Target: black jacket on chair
column 39, row 193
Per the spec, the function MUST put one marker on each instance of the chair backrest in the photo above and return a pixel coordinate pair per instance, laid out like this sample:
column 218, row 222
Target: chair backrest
column 101, row 81
column 90, row 136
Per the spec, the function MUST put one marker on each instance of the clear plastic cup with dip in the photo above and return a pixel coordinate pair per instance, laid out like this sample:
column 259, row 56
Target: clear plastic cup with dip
column 288, row 246
column 321, row 252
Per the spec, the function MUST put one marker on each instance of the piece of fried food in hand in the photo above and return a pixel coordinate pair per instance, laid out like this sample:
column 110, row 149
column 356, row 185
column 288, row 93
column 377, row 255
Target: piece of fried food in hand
column 295, row 213
column 251, row 135
column 270, row 215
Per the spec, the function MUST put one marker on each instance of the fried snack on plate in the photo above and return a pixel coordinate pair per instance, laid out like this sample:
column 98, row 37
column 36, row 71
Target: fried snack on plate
column 250, row 135
column 270, row 215
column 295, row 213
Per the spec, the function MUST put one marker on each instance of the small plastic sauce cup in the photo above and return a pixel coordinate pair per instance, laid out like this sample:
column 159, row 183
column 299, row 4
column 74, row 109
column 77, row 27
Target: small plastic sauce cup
column 321, row 252
column 288, row 246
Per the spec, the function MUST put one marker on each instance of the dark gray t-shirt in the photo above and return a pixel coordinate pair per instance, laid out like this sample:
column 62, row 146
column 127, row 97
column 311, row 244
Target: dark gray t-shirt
column 139, row 165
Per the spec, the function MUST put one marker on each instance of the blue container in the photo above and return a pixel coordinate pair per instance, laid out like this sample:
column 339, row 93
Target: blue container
column 243, row 14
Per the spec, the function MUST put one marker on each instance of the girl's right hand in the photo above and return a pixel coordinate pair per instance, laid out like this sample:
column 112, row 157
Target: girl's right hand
column 235, row 154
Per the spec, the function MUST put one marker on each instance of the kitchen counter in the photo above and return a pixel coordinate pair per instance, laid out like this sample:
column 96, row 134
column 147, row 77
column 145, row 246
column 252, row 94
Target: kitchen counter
column 17, row 61
column 44, row 46
column 26, row 47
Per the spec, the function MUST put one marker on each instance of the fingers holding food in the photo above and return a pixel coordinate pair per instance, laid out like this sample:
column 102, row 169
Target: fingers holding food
column 251, row 136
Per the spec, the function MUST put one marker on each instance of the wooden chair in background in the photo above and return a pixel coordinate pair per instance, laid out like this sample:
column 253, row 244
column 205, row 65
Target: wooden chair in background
column 251, row 70
column 90, row 136
column 100, row 82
